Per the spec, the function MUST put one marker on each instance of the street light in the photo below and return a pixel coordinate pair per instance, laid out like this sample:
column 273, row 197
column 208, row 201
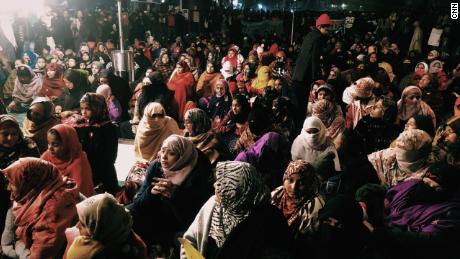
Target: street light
column 292, row 25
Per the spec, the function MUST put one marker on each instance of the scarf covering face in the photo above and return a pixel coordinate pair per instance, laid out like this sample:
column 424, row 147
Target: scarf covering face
column 412, row 149
column 406, row 111
column 315, row 141
column 187, row 158
column 151, row 133
column 206, row 83
column 240, row 189
column 25, row 93
column 261, row 81
column 76, row 166
column 53, row 86
column 105, row 219
column 36, row 181
column 331, row 116
column 200, row 121
column 292, row 207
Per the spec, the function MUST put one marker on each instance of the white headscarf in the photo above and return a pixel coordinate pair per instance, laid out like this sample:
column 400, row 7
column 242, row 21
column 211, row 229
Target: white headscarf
column 309, row 146
column 187, row 158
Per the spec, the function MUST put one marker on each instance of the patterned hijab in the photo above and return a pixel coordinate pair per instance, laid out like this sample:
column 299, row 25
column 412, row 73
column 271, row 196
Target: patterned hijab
column 292, row 206
column 239, row 188
column 187, row 158
column 412, row 149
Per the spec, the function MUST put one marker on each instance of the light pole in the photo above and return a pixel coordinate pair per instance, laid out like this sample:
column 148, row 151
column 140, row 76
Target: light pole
column 120, row 27
column 292, row 25
column 123, row 60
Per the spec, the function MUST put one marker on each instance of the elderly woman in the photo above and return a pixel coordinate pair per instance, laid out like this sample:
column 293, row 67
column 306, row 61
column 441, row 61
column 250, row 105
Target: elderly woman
column 312, row 142
column 407, row 160
column 26, row 87
column 104, row 230
column 363, row 101
column 198, row 130
column 40, row 118
column 239, row 222
column 44, row 208
column 65, row 152
column 153, row 129
column 220, row 102
column 411, row 104
column 175, row 187
column 299, row 198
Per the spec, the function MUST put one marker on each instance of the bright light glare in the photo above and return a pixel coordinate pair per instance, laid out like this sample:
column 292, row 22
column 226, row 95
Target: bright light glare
column 260, row 6
column 24, row 7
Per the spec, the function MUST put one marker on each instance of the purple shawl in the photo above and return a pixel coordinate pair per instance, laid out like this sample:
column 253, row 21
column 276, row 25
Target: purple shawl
column 428, row 218
column 269, row 141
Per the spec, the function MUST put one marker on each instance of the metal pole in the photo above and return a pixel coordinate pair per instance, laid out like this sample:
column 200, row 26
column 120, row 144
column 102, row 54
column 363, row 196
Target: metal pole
column 292, row 27
column 180, row 3
column 120, row 27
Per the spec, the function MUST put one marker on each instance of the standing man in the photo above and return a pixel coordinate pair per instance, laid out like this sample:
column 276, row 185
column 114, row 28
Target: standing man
column 307, row 67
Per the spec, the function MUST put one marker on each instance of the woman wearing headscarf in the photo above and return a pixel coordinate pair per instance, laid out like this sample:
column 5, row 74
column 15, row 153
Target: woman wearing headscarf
column 300, row 200
column 26, row 87
column 175, row 187
column 120, row 89
column 259, row 84
column 235, row 122
column 436, row 71
column 40, row 118
column 164, row 65
column 104, row 230
column 363, row 102
column 44, row 208
column 206, row 84
column 261, row 154
column 13, row 145
column 220, row 102
column 407, row 160
column 331, row 115
column 182, row 84
column 53, row 83
column 239, row 222
column 65, row 152
column 76, row 85
column 198, row 130
column 153, row 129
column 99, row 139
column 113, row 105
column 312, row 142
column 411, row 104
column 283, row 118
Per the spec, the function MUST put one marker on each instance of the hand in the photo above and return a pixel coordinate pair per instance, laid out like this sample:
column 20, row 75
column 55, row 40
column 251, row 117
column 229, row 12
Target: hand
column 67, row 114
column 438, row 136
column 12, row 106
column 163, row 187
column 134, row 128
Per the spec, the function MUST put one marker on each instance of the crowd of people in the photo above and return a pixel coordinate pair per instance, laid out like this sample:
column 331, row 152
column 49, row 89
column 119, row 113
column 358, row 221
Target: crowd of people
column 343, row 144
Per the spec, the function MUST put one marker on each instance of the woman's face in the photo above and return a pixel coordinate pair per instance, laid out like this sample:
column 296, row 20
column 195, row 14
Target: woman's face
column 294, row 186
column 82, row 66
column 85, row 57
column 24, row 79
column 72, row 63
column 179, row 69
column 9, row 136
column 420, row 69
column 167, row 157
column 412, row 99
column 37, row 112
column 41, row 64
column 55, row 146
column 188, row 125
column 236, row 107
column 101, row 48
column 231, row 54
column 219, row 89
column 377, row 110
column 410, row 124
column 86, row 111
column 165, row 59
column 323, row 95
column 50, row 73
column 373, row 58
column 68, row 84
column 278, row 85
column 210, row 68
column 424, row 82
column 450, row 136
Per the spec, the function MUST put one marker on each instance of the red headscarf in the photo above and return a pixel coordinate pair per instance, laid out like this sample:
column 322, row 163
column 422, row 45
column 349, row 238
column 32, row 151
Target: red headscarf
column 183, row 86
column 53, row 86
column 36, row 183
column 76, row 166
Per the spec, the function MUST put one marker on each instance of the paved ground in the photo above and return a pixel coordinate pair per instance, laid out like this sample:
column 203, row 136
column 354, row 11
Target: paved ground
column 125, row 158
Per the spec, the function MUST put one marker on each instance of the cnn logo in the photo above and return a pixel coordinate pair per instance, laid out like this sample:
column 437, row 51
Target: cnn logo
column 454, row 11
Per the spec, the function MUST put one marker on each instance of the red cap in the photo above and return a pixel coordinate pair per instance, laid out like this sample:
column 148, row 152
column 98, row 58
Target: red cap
column 323, row 20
